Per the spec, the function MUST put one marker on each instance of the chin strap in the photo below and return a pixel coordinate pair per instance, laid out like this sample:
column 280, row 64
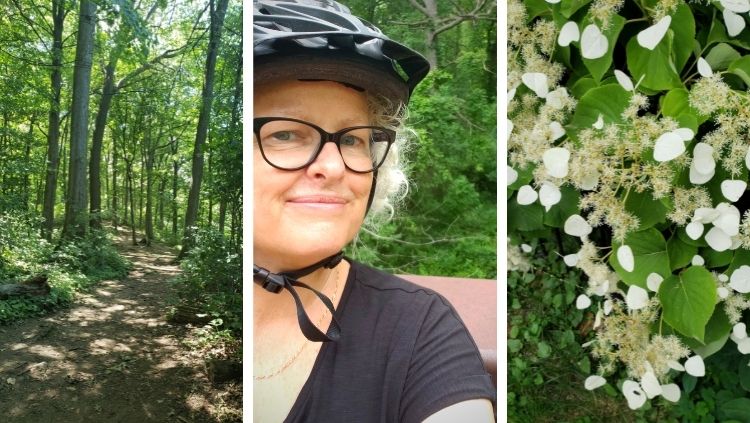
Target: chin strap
column 275, row 282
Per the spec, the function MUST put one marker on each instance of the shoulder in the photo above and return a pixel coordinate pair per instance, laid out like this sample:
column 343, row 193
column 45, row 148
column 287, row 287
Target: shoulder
column 378, row 282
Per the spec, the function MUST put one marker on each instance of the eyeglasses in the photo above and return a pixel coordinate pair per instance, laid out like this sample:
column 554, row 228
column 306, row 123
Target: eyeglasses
column 292, row 144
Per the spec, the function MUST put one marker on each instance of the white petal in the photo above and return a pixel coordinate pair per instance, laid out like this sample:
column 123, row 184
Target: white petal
column 729, row 219
column 668, row 146
column 704, row 68
column 736, row 6
column 526, row 195
column 722, row 292
column 723, row 278
column 695, row 367
column 511, row 94
column 599, row 124
column 740, row 279
column 653, row 281
column 718, row 239
column 703, row 158
column 624, row 80
column 736, row 242
column 734, row 22
column 556, row 161
column 694, row 230
column 675, row 366
column 594, row 381
column 601, row 289
column 607, row 307
column 571, row 259
column 576, row 225
column 583, row 302
column 509, row 130
column 625, row 257
column 739, row 331
column 706, row 214
column 555, row 98
column 670, row 392
column 699, row 178
column 685, row 133
column 650, row 384
column 637, row 297
column 698, row 260
column 549, row 195
column 747, row 157
column 590, row 180
column 536, row 82
column 553, row 1
column 526, row 248
column 598, row 319
column 556, row 129
column 512, row 176
column 651, row 36
column 744, row 346
column 633, row 393
column 593, row 43
column 568, row 33
column 733, row 189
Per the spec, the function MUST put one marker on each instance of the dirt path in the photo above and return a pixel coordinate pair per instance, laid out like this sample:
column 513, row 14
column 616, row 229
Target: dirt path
column 111, row 357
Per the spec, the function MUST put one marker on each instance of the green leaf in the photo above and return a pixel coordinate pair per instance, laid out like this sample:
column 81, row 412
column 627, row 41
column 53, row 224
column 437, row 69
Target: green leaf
column 680, row 253
column 683, row 25
column 536, row 8
column 676, row 103
column 717, row 334
column 649, row 211
column 568, row 206
column 721, row 56
column 524, row 218
column 738, row 408
column 688, row 301
column 741, row 257
column 650, row 255
column 744, row 373
column 598, row 67
column 741, row 68
column 582, row 86
column 569, row 7
column 715, row 258
column 525, row 175
column 608, row 100
column 657, row 65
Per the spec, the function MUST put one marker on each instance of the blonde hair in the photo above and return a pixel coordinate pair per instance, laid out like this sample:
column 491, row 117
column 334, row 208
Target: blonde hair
column 392, row 183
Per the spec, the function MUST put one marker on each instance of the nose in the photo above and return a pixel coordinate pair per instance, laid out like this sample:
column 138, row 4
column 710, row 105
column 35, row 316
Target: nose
column 329, row 163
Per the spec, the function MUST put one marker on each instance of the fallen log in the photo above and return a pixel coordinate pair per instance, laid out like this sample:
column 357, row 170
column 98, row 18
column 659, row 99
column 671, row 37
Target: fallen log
column 36, row 286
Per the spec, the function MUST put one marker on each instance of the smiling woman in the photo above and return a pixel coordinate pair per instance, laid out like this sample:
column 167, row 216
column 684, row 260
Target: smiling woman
column 327, row 107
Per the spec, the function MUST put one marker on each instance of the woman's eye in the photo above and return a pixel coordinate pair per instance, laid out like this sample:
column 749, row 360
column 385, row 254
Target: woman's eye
column 351, row 140
column 283, row 135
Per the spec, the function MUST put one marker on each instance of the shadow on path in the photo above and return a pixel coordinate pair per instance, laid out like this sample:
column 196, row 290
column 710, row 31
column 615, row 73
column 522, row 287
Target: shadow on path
column 111, row 357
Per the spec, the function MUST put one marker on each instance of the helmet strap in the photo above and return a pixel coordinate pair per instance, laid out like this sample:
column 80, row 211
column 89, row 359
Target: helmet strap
column 275, row 282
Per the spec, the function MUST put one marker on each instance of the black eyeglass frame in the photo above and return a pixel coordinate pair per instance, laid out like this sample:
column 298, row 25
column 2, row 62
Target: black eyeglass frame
column 325, row 137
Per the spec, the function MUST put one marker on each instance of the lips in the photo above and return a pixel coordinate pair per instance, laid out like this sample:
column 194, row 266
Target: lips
column 318, row 199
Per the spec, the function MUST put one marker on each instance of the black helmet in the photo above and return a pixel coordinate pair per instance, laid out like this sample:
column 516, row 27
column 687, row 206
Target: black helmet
column 322, row 40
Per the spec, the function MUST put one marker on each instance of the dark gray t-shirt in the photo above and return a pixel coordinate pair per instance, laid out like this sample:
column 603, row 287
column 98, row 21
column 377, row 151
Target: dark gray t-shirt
column 404, row 354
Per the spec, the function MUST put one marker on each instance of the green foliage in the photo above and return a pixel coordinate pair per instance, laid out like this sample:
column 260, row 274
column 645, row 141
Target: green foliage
column 94, row 256
column 212, row 279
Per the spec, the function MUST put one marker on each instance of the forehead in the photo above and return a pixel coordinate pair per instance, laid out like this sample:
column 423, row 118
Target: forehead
column 310, row 99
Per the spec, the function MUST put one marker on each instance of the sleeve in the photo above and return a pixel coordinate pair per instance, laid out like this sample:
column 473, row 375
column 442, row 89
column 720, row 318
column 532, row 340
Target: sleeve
column 446, row 367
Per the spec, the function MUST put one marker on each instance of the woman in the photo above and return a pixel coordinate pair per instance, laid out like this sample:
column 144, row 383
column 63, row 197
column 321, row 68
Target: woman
column 327, row 100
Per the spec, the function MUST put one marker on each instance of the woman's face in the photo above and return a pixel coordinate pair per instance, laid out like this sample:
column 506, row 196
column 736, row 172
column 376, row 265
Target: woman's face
column 303, row 216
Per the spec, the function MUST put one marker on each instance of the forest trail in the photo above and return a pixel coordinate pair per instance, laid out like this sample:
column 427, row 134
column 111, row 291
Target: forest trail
column 111, row 357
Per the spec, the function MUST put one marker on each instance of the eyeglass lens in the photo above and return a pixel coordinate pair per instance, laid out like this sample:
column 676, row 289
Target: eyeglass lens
column 290, row 145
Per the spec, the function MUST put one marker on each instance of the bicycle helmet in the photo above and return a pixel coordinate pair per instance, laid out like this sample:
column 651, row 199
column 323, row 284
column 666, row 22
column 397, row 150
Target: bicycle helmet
column 322, row 40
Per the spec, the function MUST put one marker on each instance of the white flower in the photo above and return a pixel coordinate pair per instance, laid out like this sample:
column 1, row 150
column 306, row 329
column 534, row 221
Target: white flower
column 674, row 365
column 736, row 6
column 739, row 331
column 549, row 195
column 718, row 239
column 670, row 392
column 698, row 260
column 556, row 161
column 526, row 248
column 704, row 68
column 694, row 230
column 555, row 98
column 571, row 259
column 536, row 82
column 568, row 33
column 583, row 302
column 650, row 384
column 637, row 298
column 594, row 381
column 744, row 346
column 722, row 292
column 650, row 37
column 740, row 279
column 633, row 393
column 703, row 166
column 526, row 195
column 653, row 281
column 599, row 124
column 732, row 189
column 576, row 225
column 734, row 22
column 512, row 176
column 624, row 80
column 694, row 366
column 668, row 146
column 625, row 257
column 607, row 307
column 593, row 43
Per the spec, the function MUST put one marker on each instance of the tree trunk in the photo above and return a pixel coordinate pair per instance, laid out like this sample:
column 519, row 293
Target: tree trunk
column 27, row 159
column 95, row 185
column 76, row 219
column 53, row 133
column 114, row 182
column 191, row 215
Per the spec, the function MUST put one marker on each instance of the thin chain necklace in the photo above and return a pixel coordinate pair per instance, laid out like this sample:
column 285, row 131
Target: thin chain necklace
column 305, row 343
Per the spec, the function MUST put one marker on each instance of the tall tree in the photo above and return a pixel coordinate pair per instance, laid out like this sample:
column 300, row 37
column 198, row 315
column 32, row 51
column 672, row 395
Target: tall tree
column 76, row 213
column 218, row 10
